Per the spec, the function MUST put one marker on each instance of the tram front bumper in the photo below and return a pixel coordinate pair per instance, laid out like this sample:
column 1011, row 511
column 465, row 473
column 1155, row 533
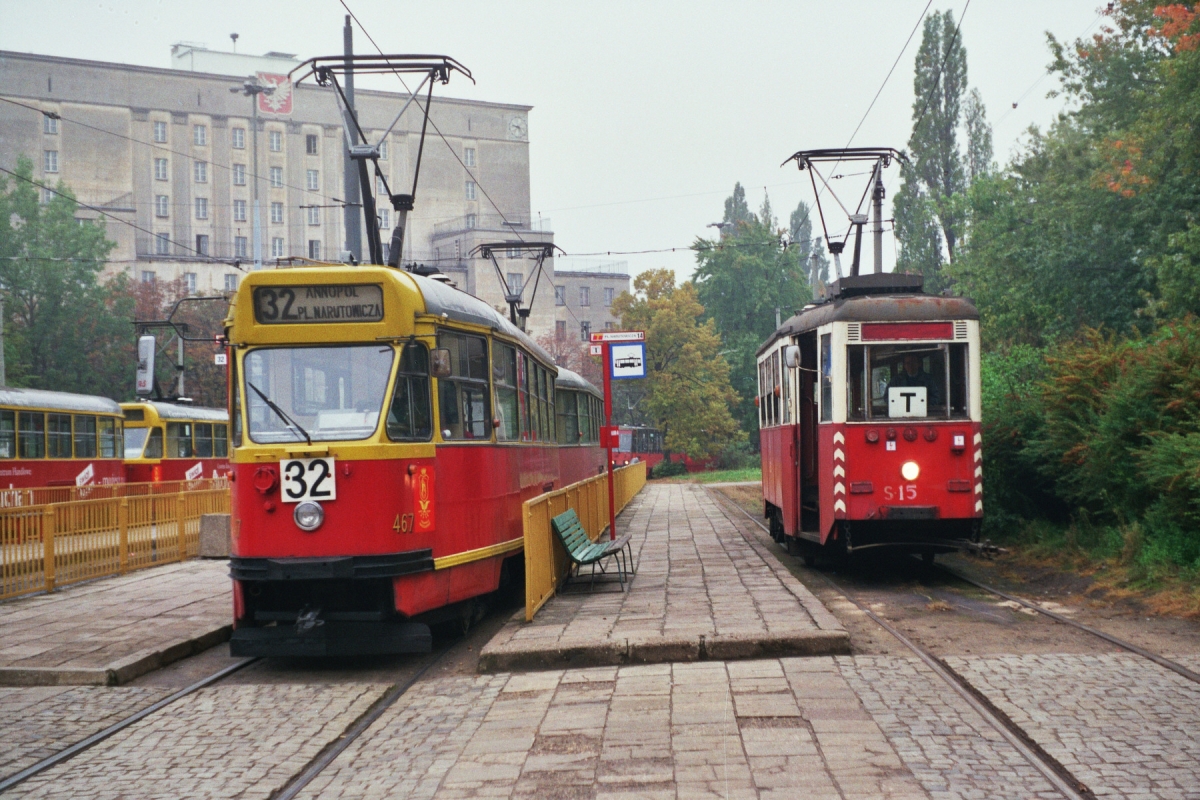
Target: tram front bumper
column 332, row 638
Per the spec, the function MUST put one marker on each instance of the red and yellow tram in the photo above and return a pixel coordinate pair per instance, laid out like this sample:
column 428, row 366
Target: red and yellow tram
column 171, row 442
column 386, row 429
column 869, row 413
column 57, row 439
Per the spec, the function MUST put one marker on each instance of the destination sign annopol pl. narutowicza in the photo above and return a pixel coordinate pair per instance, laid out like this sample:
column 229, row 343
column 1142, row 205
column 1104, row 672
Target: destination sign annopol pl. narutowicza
column 275, row 305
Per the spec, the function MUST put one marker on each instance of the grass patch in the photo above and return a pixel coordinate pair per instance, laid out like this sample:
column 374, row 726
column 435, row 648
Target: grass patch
column 719, row 476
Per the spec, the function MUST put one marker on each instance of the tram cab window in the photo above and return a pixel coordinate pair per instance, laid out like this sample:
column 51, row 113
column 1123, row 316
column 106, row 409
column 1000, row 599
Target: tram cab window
column 85, row 437
column 504, row 378
column 8, row 434
column 31, row 434
column 179, row 440
column 154, row 444
column 204, row 440
column 333, row 393
column 826, row 377
column 463, row 397
column 410, row 417
column 221, row 440
column 919, row 380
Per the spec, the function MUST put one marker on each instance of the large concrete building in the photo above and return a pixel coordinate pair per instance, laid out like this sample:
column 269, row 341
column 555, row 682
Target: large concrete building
column 170, row 152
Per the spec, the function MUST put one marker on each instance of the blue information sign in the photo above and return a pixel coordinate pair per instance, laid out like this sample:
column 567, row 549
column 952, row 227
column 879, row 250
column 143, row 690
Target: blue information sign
column 628, row 360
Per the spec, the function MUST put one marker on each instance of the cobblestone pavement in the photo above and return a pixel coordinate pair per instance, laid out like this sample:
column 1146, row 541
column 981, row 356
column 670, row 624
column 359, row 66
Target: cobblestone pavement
column 40, row 721
column 93, row 625
column 1124, row 726
column 702, row 590
column 224, row 741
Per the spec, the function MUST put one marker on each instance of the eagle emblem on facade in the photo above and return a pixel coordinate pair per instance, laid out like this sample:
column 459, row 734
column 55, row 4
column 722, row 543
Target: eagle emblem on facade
column 279, row 101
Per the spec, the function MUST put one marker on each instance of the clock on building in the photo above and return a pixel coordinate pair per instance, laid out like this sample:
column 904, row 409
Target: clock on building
column 516, row 128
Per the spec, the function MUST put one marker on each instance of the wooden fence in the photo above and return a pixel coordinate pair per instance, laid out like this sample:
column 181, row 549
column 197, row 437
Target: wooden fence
column 49, row 545
column 546, row 562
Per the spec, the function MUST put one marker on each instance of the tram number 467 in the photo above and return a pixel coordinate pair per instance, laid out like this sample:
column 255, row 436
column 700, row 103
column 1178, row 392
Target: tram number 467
column 403, row 523
column 307, row 479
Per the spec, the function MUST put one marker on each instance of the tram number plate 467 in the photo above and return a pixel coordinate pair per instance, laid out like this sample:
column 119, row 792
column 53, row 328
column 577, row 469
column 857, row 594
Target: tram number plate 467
column 307, row 479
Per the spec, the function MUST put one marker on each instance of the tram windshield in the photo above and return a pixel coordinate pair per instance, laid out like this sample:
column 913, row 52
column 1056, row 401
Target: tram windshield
column 135, row 438
column 898, row 381
column 328, row 393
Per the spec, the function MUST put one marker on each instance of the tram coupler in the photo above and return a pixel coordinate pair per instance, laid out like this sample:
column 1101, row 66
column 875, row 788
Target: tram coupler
column 984, row 548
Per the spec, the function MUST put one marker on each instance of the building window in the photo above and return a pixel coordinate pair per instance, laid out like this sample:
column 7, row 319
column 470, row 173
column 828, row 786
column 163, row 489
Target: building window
column 189, row 280
column 313, row 180
column 585, row 331
column 470, row 221
column 239, row 249
column 585, row 296
column 47, row 194
column 314, row 215
column 560, row 329
column 385, row 218
column 608, row 296
column 239, row 210
column 469, row 156
column 199, row 135
column 200, row 171
column 201, row 244
column 50, row 162
column 277, row 247
column 49, row 124
column 162, row 204
column 231, row 282
column 314, row 249
column 610, row 326
column 470, row 190
column 310, row 144
column 162, row 245
column 516, row 282
column 275, row 141
column 239, row 138
column 276, row 177
column 160, row 132
column 239, row 174
column 560, row 295
column 277, row 213
column 148, row 276
column 201, row 208
column 160, row 169
column 383, row 150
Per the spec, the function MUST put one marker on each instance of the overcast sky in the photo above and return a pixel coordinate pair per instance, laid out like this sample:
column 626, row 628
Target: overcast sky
column 645, row 113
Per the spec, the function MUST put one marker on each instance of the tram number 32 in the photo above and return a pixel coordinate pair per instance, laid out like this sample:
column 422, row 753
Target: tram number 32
column 307, row 479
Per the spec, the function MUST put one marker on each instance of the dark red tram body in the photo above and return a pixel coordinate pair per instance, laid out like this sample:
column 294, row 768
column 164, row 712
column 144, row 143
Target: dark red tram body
column 869, row 416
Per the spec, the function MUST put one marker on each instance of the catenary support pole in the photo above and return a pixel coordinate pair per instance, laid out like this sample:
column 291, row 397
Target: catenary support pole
column 350, row 178
column 258, row 254
column 608, row 449
column 877, row 203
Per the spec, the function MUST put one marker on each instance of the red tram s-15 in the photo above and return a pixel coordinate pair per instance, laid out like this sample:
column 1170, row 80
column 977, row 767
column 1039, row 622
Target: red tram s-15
column 869, row 411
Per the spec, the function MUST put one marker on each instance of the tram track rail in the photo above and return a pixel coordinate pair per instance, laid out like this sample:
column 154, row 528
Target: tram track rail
column 67, row 753
column 1061, row 778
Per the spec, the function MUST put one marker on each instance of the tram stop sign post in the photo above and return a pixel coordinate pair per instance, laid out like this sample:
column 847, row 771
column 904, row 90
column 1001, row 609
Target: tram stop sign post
column 624, row 355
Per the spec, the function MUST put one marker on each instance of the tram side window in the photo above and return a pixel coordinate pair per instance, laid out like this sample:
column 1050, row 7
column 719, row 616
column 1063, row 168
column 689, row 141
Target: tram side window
column 856, row 382
column 58, row 430
column 110, row 438
column 785, row 380
column 154, row 444
column 504, row 379
column 568, row 418
column 85, row 437
column 8, row 434
column 221, row 439
column 410, row 417
column 584, row 408
column 826, row 377
column 235, row 397
column 31, row 434
column 959, row 407
column 463, row 397
column 775, row 390
column 179, row 440
column 204, row 440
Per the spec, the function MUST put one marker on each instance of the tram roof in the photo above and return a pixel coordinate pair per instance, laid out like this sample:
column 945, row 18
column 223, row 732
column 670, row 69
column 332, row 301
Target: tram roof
column 58, row 401
column 177, row 411
column 573, row 380
column 915, row 307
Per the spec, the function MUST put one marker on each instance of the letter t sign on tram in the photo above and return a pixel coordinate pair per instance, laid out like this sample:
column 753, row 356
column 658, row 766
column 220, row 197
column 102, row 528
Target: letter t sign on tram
column 624, row 354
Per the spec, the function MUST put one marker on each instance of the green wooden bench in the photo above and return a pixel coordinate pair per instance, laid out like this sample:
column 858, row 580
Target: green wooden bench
column 584, row 552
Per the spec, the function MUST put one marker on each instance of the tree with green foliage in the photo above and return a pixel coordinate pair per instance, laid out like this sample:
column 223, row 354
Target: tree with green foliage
column 737, row 211
column 979, row 138
column 687, row 391
column 810, row 253
column 65, row 330
column 742, row 281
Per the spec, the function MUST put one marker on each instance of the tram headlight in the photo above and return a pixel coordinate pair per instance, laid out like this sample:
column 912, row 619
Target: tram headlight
column 910, row 470
column 308, row 515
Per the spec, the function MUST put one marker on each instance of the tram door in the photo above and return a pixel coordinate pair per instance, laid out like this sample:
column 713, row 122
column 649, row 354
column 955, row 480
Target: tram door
column 806, row 431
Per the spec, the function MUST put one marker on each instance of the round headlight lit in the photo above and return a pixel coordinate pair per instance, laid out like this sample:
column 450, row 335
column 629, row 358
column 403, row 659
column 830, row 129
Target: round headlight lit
column 909, row 470
column 308, row 516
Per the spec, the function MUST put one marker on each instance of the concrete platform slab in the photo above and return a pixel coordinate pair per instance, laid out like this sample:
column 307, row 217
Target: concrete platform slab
column 705, row 590
column 112, row 630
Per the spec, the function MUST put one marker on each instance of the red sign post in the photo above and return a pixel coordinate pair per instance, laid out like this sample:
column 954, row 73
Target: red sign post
column 610, row 435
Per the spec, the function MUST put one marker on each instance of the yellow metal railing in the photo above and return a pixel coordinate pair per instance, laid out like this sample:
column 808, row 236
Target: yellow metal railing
column 40, row 496
column 546, row 561
column 49, row 545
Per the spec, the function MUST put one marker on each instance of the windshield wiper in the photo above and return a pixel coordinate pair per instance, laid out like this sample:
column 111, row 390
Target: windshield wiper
column 282, row 415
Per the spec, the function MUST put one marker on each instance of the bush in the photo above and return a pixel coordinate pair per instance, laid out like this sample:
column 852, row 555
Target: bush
column 738, row 455
column 668, row 469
